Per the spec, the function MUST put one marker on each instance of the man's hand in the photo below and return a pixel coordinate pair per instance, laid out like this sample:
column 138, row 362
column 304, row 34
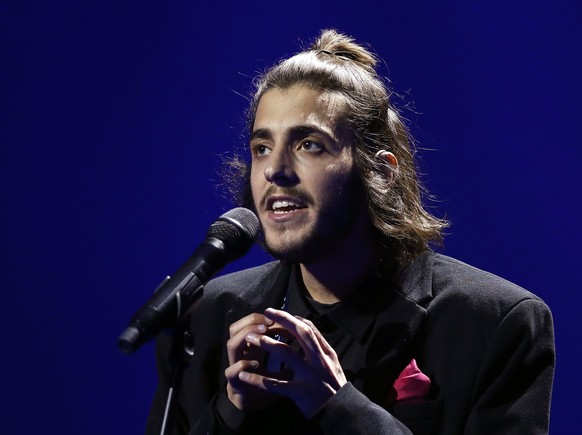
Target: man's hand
column 244, row 358
column 316, row 371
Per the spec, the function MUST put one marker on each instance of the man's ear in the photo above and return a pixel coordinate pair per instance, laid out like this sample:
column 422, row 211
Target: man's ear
column 389, row 163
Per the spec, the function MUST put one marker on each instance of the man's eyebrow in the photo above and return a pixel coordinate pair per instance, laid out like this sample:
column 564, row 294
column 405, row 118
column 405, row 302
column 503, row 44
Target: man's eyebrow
column 306, row 130
column 260, row 133
column 294, row 132
column 301, row 131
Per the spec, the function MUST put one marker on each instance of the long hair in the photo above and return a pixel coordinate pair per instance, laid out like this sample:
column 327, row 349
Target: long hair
column 335, row 63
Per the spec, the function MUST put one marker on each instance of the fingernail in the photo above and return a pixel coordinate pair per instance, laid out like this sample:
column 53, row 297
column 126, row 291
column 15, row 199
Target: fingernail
column 262, row 328
column 253, row 338
column 273, row 382
column 243, row 376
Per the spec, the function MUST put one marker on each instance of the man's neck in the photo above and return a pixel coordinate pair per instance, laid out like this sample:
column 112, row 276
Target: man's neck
column 335, row 279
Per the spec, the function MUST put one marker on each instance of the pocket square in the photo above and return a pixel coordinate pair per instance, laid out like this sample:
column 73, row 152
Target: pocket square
column 412, row 386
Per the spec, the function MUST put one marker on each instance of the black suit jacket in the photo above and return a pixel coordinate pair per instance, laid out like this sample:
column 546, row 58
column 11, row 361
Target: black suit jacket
column 486, row 344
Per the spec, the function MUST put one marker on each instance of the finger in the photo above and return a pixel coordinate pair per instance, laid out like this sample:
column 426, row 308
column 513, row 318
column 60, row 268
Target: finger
column 248, row 373
column 238, row 349
column 236, row 345
column 265, row 383
column 323, row 344
column 282, row 387
column 301, row 329
column 232, row 372
column 251, row 319
column 276, row 348
column 319, row 355
column 328, row 360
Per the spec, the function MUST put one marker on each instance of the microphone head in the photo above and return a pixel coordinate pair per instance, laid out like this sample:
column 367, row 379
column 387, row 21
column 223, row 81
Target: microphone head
column 237, row 229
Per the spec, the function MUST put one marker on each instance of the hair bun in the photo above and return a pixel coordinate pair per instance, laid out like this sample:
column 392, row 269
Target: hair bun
column 333, row 43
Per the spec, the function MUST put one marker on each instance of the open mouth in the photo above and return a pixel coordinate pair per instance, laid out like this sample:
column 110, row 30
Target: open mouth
column 285, row 206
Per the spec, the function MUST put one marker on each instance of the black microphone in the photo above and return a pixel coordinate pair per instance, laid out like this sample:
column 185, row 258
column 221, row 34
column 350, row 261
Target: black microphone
column 228, row 238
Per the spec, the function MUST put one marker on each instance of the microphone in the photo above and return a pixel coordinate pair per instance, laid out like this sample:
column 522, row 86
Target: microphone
column 228, row 238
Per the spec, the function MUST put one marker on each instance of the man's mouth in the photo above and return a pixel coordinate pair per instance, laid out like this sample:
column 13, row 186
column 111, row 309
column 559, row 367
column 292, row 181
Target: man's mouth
column 284, row 206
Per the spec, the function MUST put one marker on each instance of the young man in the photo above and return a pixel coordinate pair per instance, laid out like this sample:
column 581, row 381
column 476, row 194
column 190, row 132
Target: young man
column 359, row 328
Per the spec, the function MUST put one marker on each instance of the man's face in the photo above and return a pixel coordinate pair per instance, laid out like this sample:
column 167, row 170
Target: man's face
column 303, row 178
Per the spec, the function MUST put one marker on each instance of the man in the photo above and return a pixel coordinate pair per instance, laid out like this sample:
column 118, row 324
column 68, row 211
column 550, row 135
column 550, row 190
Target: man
column 359, row 328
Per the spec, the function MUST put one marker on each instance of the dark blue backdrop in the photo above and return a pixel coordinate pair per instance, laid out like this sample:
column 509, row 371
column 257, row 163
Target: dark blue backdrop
column 115, row 113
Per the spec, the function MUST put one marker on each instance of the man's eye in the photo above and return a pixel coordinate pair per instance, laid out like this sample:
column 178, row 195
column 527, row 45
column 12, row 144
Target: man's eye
column 260, row 150
column 309, row 145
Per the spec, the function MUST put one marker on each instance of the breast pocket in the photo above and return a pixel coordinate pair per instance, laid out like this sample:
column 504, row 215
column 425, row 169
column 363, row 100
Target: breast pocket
column 423, row 418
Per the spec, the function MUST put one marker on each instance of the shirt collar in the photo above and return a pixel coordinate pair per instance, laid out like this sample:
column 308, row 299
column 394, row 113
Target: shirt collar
column 355, row 314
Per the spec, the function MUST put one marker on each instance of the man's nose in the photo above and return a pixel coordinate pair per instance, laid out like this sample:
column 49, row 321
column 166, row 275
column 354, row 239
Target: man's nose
column 280, row 167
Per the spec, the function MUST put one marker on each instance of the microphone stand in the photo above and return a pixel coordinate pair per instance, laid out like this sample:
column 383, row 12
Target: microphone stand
column 180, row 352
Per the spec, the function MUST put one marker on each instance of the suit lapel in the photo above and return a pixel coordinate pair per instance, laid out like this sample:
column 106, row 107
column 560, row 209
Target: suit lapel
column 397, row 328
column 268, row 291
column 391, row 346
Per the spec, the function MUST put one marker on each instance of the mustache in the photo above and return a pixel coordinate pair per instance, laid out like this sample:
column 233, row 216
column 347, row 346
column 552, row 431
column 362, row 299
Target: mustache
column 288, row 191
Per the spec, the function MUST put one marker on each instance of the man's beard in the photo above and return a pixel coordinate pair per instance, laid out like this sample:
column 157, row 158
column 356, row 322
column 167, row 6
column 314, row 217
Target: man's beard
column 334, row 223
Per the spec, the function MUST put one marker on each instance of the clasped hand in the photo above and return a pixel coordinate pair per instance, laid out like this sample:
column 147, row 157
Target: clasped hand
column 311, row 376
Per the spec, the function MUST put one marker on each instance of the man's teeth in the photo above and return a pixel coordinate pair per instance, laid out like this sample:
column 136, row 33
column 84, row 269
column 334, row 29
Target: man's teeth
column 284, row 206
column 281, row 204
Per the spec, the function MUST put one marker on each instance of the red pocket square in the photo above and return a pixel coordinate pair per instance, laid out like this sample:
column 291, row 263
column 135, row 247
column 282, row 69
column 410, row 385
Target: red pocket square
column 412, row 386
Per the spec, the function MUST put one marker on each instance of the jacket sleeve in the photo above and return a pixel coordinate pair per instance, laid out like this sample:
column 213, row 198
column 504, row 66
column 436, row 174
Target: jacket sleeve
column 513, row 389
column 351, row 412
column 208, row 423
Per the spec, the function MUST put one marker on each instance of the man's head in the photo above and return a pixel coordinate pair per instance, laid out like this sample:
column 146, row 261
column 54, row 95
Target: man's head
column 341, row 77
column 303, row 176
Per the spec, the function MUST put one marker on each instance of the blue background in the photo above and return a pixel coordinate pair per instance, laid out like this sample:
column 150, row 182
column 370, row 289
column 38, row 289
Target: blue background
column 114, row 115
